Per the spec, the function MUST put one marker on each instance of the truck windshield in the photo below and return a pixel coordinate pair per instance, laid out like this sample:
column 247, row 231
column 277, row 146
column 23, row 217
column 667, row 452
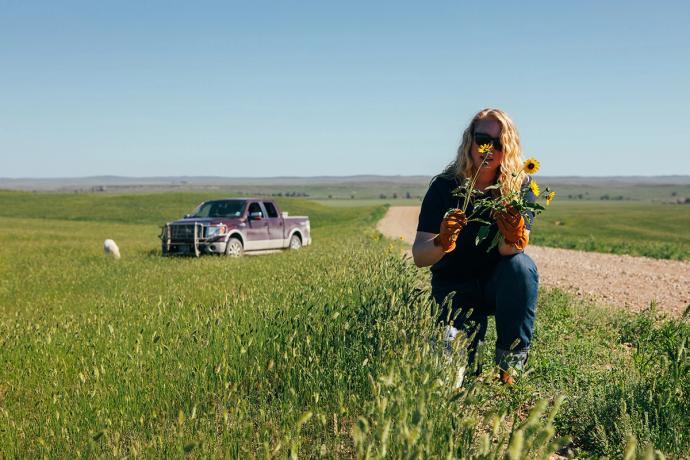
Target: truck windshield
column 224, row 208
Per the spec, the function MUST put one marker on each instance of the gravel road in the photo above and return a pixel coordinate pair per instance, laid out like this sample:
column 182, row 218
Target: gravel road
column 616, row 280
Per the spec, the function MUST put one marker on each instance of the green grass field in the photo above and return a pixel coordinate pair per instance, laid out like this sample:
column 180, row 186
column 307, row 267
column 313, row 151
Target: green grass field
column 322, row 352
column 337, row 203
column 638, row 228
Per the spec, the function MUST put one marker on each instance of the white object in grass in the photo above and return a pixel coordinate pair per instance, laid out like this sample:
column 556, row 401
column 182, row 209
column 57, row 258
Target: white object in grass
column 110, row 248
column 449, row 335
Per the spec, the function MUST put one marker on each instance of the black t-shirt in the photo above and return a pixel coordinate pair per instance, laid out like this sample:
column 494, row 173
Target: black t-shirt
column 468, row 260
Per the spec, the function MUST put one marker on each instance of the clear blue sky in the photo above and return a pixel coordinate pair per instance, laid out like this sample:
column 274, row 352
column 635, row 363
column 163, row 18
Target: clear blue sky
column 152, row 88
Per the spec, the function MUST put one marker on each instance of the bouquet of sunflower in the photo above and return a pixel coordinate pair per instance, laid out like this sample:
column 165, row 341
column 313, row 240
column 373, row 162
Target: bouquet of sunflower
column 519, row 201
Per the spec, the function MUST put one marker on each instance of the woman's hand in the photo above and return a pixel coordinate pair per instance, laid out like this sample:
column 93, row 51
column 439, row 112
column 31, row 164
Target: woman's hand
column 429, row 248
column 512, row 226
column 452, row 223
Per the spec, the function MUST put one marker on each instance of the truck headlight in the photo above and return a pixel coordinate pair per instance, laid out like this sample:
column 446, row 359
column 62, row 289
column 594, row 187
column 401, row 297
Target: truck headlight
column 215, row 230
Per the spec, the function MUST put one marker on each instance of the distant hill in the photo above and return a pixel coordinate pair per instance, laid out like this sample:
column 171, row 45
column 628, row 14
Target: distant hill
column 81, row 183
column 657, row 188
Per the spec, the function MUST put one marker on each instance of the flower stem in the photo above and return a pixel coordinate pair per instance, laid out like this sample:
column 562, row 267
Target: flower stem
column 474, row 181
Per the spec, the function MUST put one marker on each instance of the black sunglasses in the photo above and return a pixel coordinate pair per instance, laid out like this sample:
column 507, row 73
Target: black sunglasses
column 483, row 138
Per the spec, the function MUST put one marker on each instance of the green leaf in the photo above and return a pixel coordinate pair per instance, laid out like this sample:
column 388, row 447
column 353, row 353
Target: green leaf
column 494, row 242
column 304, row 419
column 534, row 206
column 481, row 234
column 456, row 396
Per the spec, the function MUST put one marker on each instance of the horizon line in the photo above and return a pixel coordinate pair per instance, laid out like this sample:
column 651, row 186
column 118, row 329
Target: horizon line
column 322, row 176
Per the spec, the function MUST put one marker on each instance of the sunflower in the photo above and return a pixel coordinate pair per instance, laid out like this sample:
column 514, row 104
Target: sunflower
column 534, row 187
column 531, row 166
column 485, row 148
column 549, row 197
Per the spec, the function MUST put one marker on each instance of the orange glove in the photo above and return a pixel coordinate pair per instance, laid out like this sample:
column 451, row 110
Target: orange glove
column 512, row 226
column 452, row 223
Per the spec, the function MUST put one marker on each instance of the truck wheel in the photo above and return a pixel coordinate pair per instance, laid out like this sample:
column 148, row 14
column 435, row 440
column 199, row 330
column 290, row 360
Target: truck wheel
column 295, row 242
column 234, row 248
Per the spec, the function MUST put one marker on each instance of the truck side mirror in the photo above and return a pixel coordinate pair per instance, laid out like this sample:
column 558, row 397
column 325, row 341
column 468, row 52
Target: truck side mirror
column 256, row 215
column 187, row 216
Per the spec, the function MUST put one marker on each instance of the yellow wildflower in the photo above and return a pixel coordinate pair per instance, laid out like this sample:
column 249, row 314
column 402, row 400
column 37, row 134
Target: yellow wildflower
column 534, row 187
column 549, row 197
column 485, row 148
column 531, row 166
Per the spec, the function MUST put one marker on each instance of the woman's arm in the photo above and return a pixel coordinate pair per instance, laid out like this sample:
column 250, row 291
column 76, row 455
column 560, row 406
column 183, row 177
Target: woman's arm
column 506, row 249
column 424, row 251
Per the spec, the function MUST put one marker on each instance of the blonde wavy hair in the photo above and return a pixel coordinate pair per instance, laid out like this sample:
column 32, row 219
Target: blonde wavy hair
column 463, row 166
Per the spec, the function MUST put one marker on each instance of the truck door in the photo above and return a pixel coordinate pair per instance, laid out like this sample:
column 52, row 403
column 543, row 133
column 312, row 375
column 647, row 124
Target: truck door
column 275, row 225
column 257, row 227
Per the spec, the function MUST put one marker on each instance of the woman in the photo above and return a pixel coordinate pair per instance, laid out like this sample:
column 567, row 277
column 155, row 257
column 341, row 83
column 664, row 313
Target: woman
column 468, row 282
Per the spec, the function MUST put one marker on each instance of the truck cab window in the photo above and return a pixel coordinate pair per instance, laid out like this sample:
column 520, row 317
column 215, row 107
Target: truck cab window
column 270, row 209
column 220, row 208
column 255, row 207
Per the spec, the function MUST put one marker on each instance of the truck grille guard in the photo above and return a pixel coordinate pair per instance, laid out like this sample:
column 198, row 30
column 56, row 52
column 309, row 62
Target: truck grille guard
column 189, row 235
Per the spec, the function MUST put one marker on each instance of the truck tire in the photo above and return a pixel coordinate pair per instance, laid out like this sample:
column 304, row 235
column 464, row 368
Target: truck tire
column 295, row 241
column 234, row 248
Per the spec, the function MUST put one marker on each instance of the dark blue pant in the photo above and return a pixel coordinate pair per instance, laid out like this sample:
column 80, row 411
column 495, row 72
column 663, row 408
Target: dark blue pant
column 509, row 293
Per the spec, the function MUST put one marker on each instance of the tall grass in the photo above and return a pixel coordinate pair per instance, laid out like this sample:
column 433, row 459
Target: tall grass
column 327, row 351
column 650, row 401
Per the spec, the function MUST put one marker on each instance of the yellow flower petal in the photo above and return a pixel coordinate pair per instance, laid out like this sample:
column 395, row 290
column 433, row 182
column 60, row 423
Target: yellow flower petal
column 530, row 166
column 534, row 187
column 549, row 197
column 485, row 148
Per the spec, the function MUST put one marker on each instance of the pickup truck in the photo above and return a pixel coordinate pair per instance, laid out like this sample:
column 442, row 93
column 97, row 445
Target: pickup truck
column 232, row 226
